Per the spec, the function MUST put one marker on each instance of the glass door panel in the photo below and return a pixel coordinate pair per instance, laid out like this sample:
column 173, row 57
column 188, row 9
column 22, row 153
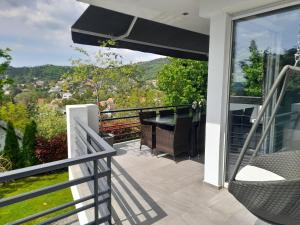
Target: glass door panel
column 261, row 46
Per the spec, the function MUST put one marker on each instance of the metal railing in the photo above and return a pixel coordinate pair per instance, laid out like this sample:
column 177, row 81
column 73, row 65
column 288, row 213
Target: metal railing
column 125, row 123
column 95, row 155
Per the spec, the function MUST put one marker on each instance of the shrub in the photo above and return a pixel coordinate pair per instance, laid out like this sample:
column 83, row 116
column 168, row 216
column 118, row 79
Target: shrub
column 50, row 122
column 49, row 150
column 11, row 148
column 28, row 144
column 122, row 129
column 5, row 164
column 16, row 113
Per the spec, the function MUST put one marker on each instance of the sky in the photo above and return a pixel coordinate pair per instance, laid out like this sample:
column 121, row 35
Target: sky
column 38, row 32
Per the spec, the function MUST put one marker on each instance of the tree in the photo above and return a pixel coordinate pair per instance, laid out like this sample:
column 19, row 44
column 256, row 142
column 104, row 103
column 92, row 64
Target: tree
column 28, row 144
column 11, row 148
column 16, row 113
column 104, row 74
column 183, row 81
column 27, row 97
column 5, row 60
column 50, row 122
column 253, row 68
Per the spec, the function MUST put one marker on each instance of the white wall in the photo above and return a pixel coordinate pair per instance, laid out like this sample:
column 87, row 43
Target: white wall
column 87, row 114
column 217, row 97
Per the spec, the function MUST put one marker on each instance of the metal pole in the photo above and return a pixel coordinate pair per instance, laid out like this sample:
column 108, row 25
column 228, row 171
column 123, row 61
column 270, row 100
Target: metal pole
column 259, row 117
column 96, row 201
column 271, row 118
column 109, row 186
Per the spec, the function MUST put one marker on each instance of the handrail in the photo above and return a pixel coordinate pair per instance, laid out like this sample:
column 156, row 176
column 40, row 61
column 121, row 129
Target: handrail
column 142, row 108
column 131, row 130
column 284, row 74
column 98, row 162
column 48, row 167
column 103, row 145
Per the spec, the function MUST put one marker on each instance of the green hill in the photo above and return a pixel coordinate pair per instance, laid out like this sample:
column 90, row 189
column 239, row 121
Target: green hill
column 151, row 68
column 45, row 73
column 53, row 73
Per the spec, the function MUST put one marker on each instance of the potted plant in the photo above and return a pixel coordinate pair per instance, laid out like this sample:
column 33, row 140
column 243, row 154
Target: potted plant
column 108, row 137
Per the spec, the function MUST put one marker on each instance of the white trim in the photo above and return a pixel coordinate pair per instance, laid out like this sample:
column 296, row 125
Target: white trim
column 264, row 9
column 137, row 42
column 217, row 95
column 228, row 73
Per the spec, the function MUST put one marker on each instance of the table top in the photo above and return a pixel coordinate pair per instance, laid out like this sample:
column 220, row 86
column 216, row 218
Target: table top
column 170, row 120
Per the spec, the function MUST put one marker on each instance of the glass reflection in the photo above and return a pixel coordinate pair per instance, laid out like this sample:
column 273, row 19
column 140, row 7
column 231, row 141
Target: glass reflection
column 262, row 45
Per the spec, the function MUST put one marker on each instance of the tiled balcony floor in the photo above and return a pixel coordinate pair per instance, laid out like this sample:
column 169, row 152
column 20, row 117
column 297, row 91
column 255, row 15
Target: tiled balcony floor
column 152, row 190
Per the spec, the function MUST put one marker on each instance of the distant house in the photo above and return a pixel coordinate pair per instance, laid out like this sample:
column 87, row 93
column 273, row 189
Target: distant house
column 3, row 128
column 109, row 104
column 55, row 90
column 5, row 89
column 67, row 95
column 60, row 82
column 39, row 83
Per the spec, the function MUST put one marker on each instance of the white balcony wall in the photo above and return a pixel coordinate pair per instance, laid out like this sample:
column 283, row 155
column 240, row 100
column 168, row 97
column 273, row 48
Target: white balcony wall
column 87, row 114
column 217, row 97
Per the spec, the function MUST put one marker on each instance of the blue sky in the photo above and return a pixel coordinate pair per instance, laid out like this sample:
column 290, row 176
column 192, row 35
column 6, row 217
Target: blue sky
column 38, row 32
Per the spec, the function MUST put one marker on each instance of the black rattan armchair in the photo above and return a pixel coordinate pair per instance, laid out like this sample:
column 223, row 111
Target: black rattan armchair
column 177, row 141
column 147, row 129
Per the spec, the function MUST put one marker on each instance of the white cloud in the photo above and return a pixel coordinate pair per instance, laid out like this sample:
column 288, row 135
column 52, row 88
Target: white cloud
column 38, row 31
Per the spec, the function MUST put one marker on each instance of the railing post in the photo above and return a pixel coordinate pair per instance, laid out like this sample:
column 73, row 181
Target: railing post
column 96, row 202
column 110, row 188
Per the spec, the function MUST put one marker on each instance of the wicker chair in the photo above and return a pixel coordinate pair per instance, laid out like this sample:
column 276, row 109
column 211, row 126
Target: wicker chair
column 273, row 201
column 166, row 112
column 177, row 141
column 147, row 130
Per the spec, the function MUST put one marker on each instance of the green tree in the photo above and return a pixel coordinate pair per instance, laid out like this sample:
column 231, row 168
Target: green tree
column 105, row 74
column 11, row 148
column 27, row 97
column 253, row 68
column 50, row 122
column 5, row 60
column 183, row 81
column 28, row 144
column 17, row 113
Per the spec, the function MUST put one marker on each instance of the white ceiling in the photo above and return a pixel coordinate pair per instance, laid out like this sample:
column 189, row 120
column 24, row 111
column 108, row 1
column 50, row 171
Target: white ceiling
column 170, row 11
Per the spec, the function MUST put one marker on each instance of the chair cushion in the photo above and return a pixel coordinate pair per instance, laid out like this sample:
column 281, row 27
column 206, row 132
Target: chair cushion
column 253, row 173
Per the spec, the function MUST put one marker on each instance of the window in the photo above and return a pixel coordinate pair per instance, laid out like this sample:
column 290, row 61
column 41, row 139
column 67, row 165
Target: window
column 261, row 46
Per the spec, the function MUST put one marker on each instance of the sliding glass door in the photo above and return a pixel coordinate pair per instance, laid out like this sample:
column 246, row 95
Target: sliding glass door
column 261, row 46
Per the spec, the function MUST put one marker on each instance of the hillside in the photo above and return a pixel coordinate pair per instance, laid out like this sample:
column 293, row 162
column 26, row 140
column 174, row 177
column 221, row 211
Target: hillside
column 45, row 73
column 151, row 68
column 53, row 73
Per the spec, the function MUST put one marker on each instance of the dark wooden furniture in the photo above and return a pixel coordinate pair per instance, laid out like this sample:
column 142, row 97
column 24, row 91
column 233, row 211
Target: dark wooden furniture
column 166, row 112
column 197, row 131
column 147, row 129
column 199, row 139
column 182, row 110
column 175, row 141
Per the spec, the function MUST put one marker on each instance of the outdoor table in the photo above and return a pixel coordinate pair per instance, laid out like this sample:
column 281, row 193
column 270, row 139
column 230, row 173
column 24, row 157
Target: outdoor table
column 171, row 122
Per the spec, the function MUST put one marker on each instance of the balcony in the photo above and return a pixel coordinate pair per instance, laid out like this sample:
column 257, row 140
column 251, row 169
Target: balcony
column 147, row 189
column 133, row 185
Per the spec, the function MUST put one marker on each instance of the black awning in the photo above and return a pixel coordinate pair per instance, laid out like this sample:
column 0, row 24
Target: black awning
column 98, row 24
